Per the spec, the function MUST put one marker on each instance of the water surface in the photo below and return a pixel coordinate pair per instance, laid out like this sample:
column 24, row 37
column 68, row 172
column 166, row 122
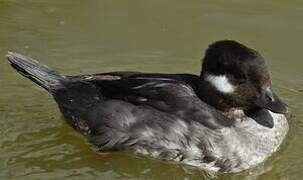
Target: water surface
column 94, row 36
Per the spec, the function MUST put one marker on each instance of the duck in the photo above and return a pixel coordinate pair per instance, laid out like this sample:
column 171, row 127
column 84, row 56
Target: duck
column 227, row 119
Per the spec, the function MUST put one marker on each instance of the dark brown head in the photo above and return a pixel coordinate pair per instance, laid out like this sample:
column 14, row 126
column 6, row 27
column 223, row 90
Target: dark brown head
column 239, row 75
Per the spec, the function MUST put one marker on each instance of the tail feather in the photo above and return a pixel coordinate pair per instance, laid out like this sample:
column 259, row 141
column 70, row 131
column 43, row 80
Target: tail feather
column 38, row 73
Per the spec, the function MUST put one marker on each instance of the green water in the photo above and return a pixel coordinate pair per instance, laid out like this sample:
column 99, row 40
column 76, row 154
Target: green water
column 94, row 36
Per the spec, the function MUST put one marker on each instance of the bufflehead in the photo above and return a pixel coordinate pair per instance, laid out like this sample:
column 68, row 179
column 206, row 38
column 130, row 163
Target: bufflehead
column 228, row 119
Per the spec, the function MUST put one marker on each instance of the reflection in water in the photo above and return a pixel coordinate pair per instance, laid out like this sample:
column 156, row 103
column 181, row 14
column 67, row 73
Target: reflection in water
column 78, row 37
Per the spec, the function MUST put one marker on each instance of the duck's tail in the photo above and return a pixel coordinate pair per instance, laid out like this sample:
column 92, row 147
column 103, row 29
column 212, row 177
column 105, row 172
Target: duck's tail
column 38, row 73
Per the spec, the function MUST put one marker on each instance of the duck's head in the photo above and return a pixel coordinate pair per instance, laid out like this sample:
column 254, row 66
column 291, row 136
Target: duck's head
column 238, row 75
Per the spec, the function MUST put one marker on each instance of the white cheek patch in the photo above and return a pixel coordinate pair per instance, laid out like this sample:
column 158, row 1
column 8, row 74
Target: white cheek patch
column 221, row 83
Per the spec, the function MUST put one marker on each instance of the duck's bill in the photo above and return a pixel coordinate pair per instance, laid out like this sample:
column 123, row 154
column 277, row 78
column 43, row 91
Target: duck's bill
column 269, row 100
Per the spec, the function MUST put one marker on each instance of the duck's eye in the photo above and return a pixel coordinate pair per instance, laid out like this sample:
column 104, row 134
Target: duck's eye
column 241, row 81
column 238, row 79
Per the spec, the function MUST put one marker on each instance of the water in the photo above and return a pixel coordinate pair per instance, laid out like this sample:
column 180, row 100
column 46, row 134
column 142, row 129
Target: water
column 94, row 36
